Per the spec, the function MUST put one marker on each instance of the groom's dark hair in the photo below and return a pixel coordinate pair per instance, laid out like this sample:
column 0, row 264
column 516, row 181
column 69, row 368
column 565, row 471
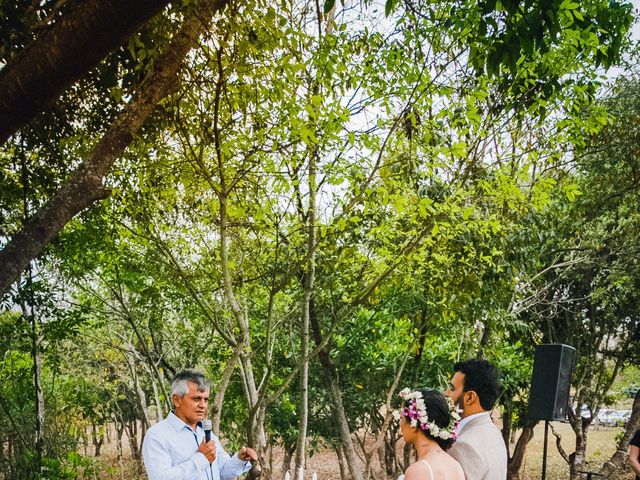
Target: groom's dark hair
column 481, row 377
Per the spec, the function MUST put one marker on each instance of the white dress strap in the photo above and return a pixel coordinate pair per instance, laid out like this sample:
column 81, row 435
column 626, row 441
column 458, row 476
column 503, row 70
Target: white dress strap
column 429, row 467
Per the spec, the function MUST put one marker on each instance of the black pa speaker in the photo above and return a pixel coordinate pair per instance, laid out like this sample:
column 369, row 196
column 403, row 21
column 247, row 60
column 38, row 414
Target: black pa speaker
column 550, row 381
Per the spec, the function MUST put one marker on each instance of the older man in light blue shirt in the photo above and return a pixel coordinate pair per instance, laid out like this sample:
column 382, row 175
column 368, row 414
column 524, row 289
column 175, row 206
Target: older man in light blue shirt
column 175, row 448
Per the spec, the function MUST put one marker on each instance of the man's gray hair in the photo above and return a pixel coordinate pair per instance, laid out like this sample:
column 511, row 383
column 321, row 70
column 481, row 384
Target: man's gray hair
column 180, row 385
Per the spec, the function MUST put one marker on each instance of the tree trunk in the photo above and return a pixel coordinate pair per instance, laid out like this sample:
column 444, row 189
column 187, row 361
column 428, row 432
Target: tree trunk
column 303, row 402
column 66, row 51
column 309, row 279
column 507, row 424
column 156, row 398
column 84, row 187
column 406, row 456
column 344, row 468
column 97, row 439
column 255, row 427
column 119, row 433
column 221, row 387
column 37, row 378
column 132, row 431
column 36, row 341
column 619, row 458
column 141, row 400
column 517, row 459
column 577, row 458
column 288, row 455
column 391, row 464
column 422, row 338
column 331, row 377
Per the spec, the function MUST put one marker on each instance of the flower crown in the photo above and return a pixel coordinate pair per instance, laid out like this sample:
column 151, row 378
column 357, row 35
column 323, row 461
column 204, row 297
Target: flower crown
column 416, row 412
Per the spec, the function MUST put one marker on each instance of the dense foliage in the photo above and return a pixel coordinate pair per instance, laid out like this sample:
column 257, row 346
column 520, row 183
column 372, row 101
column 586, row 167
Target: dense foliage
column 332, row 201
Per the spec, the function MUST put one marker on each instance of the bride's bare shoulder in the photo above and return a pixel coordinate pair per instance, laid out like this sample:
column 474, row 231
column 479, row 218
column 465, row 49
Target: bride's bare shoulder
column 417, row 471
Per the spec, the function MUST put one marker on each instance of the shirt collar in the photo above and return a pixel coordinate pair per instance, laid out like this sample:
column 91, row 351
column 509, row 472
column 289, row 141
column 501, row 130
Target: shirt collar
column 466, row 420
column 178, row 424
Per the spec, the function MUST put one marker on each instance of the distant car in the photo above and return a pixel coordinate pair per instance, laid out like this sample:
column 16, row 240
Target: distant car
column 607, row 417
column 613, row 418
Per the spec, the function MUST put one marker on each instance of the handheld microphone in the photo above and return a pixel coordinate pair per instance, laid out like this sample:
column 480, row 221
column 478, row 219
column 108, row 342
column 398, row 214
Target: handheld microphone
column 206, row 426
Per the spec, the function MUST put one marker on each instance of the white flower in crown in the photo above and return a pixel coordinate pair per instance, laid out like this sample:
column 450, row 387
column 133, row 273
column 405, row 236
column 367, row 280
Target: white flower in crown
column 434, row 430
column 414, row 423
column 424, row 419
column 404, row 392
column 445, row 435
column 454, row 411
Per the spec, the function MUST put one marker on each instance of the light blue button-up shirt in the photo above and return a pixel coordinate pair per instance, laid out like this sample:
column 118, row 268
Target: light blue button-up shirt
column 170, row 452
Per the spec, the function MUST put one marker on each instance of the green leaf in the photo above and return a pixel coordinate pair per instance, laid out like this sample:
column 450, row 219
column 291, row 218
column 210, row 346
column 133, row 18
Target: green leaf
column 388, row 7
column 328, row 5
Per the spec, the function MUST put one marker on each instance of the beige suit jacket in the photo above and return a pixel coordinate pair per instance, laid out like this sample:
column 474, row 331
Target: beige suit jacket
column 480, row 450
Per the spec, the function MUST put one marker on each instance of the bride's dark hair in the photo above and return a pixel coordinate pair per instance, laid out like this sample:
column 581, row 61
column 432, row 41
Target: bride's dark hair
column 438, row 412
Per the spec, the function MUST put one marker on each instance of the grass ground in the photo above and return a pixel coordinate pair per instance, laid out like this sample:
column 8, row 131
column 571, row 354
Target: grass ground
column 601, row 444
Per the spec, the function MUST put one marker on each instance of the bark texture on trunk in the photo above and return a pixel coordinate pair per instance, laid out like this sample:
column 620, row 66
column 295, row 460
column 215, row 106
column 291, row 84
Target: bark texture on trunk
column 221, row 388
column 611, row 469
column 85, row 186
column 64, row 52
column 309, row 279
column 37, row 381
column 575, row 459
column 256, row 434
column 341, row 462
column 331, row 377
column 289, row 449
column 97, row 438
column 517, row 459
column 132, row 431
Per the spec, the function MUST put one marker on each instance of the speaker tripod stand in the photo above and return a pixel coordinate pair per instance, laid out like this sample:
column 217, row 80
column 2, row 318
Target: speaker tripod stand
column 544, row 450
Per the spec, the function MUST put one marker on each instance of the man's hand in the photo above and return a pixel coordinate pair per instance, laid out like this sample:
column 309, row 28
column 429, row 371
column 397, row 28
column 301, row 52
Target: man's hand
column 208, row 449
column 247, row 454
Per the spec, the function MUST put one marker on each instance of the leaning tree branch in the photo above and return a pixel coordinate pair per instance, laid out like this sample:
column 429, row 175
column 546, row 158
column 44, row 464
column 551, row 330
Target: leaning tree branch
column 63, row 53
column 85, row 186
column 561, row 450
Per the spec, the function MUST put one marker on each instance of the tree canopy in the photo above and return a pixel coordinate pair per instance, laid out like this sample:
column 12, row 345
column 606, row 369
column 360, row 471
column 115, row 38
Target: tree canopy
column 314, row 203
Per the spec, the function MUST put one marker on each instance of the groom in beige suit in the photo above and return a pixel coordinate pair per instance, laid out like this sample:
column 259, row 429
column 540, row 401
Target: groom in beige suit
column 479, row 448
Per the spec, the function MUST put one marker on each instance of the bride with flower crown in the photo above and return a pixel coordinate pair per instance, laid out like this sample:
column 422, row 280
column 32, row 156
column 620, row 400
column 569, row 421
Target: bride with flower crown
column 428, row 421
